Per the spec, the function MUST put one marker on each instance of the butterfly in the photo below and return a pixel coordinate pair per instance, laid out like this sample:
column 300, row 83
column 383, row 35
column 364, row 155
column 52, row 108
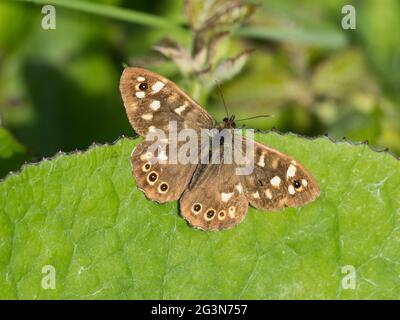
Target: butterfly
column 211, row 196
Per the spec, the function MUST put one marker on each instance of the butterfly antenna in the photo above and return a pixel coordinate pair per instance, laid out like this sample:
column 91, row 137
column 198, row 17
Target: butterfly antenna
column 255, row 117
column 222, row 98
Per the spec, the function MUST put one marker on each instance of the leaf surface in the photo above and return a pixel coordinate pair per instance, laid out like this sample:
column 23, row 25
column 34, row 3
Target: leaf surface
column 82, row 214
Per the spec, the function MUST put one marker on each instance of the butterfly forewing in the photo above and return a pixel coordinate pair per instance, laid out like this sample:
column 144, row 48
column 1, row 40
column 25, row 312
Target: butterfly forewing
column 152, row 101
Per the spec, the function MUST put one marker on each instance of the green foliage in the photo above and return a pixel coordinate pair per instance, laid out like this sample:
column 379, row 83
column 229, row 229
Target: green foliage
column 83, row 214
column 382, row 44
column 12, row 153
column 58, row 88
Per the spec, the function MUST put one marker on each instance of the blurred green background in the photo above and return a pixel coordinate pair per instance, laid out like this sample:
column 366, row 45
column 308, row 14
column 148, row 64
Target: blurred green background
column 59, row 88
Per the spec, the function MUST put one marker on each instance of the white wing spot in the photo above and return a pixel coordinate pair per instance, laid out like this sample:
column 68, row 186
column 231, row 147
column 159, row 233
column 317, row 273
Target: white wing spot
column 157, row 86
column 291, row 171
column 239, row 187
column 140, row 94
column 162, row 156
column 256, row 195
column 276, row 181
column 140, row 79
column 146, row 156
column 180, row 109
column 152, row 129
column 304, row 182
column 147, row 116
column 268, row 194
column 155, row 105
column 226, row 196
column 261, row 162
column 291, row 190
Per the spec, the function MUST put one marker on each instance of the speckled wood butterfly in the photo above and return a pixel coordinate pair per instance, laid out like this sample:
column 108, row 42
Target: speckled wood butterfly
column 212, row 196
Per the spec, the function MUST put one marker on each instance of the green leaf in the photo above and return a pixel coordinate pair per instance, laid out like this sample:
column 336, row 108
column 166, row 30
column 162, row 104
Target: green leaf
column 82, row 214
column 12, row 153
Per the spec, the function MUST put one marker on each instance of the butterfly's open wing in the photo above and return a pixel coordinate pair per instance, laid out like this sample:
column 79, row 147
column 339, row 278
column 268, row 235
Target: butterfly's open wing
column 218, row 198
column 159, row 181
column 215, row 198
column 152, row 101
column 277, row 181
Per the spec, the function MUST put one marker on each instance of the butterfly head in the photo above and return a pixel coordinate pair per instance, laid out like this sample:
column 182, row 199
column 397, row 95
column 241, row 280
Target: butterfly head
column 228, row 123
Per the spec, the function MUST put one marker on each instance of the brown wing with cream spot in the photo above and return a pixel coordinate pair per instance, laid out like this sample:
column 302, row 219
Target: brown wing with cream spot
column 159, row 181
column 153, row 101
column 215, row 198
column 278, row 181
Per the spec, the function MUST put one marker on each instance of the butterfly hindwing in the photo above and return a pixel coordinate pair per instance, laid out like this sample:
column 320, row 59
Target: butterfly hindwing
column 278, row 181
column 215, row 199
column 152, row 101
column 161, row 182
